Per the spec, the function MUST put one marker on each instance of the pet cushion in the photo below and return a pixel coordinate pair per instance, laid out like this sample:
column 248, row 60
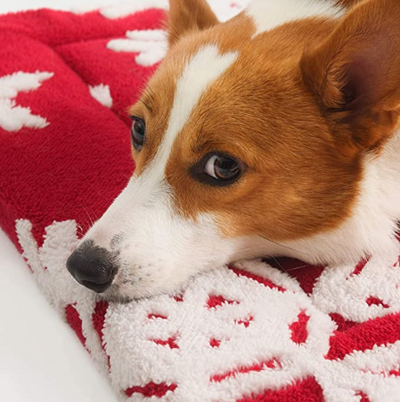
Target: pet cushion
column 276, row 330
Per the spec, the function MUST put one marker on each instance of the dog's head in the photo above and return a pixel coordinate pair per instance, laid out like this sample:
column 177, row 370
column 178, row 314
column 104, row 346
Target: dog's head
column 249, row 142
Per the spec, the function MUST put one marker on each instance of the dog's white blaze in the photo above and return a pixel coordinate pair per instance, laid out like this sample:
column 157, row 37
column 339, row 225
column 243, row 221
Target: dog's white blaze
column 270, row 14
column 160, row 248
column 200, row 72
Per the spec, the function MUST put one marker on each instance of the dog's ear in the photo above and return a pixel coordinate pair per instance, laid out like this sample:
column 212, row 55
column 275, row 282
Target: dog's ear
column 188, row 15
column 355, row 74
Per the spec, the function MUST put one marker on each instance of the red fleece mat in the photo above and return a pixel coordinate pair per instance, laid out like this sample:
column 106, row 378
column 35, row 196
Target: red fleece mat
column 249, row 333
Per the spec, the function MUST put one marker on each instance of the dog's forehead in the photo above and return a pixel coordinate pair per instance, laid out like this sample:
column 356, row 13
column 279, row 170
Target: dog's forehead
column 198, row 72
column 259, row 56
column 221, row 74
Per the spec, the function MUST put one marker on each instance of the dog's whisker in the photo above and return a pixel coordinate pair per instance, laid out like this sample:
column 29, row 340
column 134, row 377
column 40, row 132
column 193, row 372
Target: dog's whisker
column 79, row 230
column 88, row 215
column 280, row 265
column 287, row 247
column 296, row 268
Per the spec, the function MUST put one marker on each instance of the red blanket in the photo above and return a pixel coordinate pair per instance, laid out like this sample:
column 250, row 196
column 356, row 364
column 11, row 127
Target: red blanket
column 250, row 333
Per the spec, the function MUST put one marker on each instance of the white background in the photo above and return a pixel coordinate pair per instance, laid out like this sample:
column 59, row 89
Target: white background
column 41, row 359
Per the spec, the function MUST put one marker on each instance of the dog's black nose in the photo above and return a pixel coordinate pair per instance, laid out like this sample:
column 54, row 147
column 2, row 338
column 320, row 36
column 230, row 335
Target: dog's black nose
column 92, row 266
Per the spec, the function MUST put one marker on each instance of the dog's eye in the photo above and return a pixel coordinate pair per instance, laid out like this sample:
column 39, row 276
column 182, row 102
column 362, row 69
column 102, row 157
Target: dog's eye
column 138, row 133
column 218, row 169
column 222, row 167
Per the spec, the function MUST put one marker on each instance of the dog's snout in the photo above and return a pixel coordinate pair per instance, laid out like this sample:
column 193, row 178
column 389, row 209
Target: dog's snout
column 92, row 266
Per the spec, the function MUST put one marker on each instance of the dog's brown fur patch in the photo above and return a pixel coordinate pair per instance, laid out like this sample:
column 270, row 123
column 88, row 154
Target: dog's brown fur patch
column 281, row 108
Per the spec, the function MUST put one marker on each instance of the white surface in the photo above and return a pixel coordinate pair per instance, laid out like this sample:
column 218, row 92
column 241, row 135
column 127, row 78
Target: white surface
column 41, row 359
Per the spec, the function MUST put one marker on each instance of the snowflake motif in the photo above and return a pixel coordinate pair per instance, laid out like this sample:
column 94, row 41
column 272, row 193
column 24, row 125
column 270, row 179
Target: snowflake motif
column 48, row 267
column 48, row 261
column 359, row 294
column 206, row 322
column 151, row 46
column 12, row 116
column 102, row 94
column 229, row 334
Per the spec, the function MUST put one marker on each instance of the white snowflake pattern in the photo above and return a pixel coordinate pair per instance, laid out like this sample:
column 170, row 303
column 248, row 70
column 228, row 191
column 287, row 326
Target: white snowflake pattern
column 360, row 296
column 12, row 116
column 197, row 342
column 151, row 46
column 102, row 94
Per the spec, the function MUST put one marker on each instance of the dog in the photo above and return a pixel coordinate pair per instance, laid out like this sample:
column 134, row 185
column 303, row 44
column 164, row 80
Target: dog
column 275, row 133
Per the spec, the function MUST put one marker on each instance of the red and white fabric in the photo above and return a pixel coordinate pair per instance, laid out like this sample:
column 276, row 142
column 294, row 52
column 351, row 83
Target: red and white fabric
column 260, row 331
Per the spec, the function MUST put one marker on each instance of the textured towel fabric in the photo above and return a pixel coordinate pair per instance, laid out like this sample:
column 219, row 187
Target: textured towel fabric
column 260, row 331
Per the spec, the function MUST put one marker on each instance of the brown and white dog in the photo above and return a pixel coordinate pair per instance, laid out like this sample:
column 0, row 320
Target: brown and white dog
column 275, row 133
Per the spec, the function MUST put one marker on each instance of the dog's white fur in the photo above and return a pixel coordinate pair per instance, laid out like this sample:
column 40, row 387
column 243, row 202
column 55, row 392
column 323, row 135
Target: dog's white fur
column 200, row 72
